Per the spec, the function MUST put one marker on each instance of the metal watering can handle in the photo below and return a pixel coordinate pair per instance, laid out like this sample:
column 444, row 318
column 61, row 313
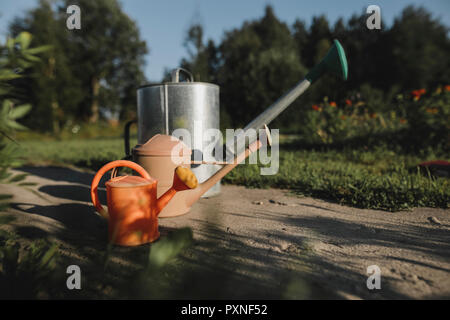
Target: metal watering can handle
column 98, row 176
column 176, row 75
column 126, row 137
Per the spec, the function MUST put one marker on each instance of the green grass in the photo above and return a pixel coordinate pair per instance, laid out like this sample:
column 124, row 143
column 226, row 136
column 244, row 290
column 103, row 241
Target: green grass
column 89, row 153
column 366, row 179
column 377, row 179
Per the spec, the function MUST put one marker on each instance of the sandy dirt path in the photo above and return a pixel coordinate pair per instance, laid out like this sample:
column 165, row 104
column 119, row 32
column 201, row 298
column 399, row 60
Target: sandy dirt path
column 264, row 243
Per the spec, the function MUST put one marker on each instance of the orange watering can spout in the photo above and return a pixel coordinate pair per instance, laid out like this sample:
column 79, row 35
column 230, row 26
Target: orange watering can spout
column 183, row 179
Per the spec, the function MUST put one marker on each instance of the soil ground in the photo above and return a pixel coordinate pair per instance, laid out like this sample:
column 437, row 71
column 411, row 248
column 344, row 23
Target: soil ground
column 264, row 243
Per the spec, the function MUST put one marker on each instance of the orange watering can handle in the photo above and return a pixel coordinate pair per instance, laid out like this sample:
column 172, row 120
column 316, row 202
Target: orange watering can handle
column 98, row 176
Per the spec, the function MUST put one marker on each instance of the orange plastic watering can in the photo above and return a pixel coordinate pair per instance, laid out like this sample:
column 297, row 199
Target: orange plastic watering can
column 133, row 207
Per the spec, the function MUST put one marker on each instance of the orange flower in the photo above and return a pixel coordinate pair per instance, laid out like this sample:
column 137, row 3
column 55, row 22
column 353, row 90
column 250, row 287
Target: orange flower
column 316, row 107
column 447, row 87
column 418, row 93
column 373, row 115
column 333, row 104
column 403, row 121
column 348, row 102
column 432, row 110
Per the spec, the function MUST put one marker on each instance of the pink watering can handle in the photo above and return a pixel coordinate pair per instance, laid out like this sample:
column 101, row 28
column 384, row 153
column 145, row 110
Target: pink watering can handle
column 98, row 176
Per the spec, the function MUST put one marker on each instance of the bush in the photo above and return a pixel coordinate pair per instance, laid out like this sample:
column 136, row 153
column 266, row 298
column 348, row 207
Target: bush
column 329, row 123
column 415, row 123
column 428, row 118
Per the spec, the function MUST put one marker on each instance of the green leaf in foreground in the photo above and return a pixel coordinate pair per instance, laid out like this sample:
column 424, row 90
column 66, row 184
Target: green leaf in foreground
column 38, row 49
column 8, row 75
column 49, row 254
column 167, row 248
column 15, row 125
column 24, row 38
column 19, row 111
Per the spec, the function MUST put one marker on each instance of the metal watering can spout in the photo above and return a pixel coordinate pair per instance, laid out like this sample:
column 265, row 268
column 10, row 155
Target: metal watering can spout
column 133, row 207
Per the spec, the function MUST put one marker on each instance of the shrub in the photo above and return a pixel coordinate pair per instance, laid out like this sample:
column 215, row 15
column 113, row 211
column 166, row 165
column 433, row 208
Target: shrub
column 416, row 122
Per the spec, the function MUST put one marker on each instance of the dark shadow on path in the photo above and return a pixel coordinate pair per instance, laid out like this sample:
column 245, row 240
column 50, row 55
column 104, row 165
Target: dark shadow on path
column 73, row 192
column 59, row 174
column 75, row 217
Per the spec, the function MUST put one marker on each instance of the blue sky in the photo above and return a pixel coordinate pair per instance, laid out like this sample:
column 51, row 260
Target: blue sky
column 163, row 24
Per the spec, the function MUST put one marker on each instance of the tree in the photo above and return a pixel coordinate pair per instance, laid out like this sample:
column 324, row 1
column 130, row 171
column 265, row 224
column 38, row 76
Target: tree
column 202, row 59
column 259, row 62
column 96, row 68
column 300, row 34
column 108, row 55
column 318, row 41
column 420, row 47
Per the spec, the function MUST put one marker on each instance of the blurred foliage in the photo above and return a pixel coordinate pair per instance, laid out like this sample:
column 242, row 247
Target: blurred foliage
column 27, row 271
column 168, row 248
column 428, row 119
column 154, row 281
column 416, row 122
column 36, row 270
column 16, row 56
